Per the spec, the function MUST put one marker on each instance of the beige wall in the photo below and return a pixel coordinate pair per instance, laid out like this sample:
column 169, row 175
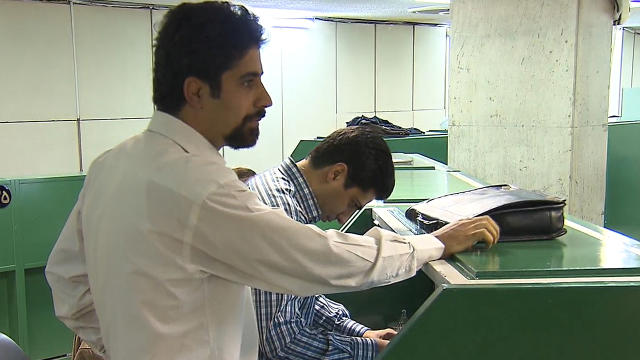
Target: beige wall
column 76, row 81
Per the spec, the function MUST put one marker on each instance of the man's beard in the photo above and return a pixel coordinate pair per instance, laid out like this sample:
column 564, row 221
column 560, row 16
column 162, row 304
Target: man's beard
column 243, row 136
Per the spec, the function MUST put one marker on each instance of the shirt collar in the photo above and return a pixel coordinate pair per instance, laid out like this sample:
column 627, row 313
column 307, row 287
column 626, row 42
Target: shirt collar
column 182, row 134
column 303, row 193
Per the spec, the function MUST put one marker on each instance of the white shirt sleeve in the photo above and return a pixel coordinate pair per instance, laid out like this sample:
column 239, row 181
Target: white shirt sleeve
column 66, row 273
column 263, row 248
column 234, row 236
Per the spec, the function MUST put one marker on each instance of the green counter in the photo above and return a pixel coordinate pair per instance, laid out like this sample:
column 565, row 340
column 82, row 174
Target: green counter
column 572, row 297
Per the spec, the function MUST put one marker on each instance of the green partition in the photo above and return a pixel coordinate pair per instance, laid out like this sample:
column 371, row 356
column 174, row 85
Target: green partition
column 7, row 260
column 47, row 335
column 45, row 204
column 523, row 321
column 433, row 146
column 382, row 307
column 8, row 305
column 622, row 202
column 30, row 225
column 8, row 295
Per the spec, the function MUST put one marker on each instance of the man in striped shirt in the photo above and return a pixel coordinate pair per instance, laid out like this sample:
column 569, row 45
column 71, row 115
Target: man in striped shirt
column 351, row 167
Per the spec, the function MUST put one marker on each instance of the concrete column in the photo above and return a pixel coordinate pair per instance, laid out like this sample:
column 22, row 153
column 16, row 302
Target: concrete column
column 529, row 96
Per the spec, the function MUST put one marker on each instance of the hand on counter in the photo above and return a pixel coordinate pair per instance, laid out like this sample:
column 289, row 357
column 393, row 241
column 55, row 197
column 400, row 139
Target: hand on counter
column 462, row 235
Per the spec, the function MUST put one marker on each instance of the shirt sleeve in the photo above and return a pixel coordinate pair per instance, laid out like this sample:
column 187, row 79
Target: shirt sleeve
column 315, row 343
column 66, row 273
column 333, row 316
column 233, row 235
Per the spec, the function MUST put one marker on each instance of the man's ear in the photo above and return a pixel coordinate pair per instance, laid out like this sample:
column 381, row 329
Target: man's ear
column 337, row 172
column 194, row 91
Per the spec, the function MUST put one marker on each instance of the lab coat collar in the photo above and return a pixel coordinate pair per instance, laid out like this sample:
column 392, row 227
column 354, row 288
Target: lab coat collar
column 182, row 134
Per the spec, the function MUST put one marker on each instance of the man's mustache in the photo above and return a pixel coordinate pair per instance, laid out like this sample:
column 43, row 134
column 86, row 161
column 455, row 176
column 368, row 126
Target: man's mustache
column 255, row 116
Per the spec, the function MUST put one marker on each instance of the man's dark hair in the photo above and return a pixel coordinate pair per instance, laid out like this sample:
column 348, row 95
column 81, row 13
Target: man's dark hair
column 366, row 154
column 202, row 40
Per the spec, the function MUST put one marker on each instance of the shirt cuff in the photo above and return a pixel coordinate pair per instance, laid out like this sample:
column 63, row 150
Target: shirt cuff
column 428, row 247
column 364, row 348
column 353, row 328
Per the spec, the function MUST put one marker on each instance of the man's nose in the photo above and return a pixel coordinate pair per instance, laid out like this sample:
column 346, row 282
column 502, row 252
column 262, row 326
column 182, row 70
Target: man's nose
column 264, row 99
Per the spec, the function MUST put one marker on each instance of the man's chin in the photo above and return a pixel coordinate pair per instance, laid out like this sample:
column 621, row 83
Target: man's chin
column 245, row 145
column 246, row 142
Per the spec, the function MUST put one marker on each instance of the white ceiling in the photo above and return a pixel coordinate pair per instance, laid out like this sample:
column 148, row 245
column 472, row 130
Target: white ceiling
column 379, row 10
column 382, row 10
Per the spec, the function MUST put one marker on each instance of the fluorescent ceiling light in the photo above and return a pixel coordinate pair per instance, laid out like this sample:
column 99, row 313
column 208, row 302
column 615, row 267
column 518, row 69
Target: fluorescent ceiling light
column 435, row 1
column 293, row 19
column 431, row 10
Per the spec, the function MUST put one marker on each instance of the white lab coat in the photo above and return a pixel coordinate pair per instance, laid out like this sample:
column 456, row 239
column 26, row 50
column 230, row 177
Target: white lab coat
column 157, row 256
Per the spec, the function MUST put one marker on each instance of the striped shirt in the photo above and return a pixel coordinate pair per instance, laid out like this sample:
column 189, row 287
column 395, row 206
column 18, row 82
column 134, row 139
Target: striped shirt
column 294, row 327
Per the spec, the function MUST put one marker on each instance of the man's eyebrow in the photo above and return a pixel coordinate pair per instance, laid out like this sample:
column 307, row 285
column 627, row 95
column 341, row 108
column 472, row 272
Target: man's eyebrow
column 250, row 75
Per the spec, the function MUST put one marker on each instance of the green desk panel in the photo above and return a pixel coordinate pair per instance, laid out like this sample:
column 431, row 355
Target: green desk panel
column 622, row 197
column 44, row 207
column 418, row 185
column 303, row 149
column 7, row 261
column 432, row 145
column 381, row 307
column 327, row 225
column 8, row 310
column 48, row 336
column 575, row 254
column 524, row 322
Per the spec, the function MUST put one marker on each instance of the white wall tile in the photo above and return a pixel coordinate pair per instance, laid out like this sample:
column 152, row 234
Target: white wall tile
column 394, row 67
column 428, row 119
column 308, row 83
column 114, row 62
column 400, row 118
column 37, row 81
column 156, row 21
column 98, row 136
column 429, row 66
column 355, row 67
column 268, row 151
column 39, row 148
column 635, row 81
column 627, row 59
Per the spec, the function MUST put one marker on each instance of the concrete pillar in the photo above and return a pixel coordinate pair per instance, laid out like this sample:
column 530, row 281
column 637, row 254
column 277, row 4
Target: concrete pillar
column 529, row 94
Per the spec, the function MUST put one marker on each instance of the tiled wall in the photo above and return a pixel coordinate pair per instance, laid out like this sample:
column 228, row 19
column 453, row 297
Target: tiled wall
column 76, row 80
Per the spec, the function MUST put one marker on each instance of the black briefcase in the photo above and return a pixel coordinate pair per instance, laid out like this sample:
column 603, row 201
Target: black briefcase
column 521, row 214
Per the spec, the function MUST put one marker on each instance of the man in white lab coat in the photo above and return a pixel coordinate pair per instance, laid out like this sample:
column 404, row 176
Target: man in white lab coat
column 157, row 257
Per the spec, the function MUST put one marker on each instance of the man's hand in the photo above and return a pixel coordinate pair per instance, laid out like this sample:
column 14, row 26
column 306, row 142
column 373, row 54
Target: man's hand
column 462, row 235
column 381, row 337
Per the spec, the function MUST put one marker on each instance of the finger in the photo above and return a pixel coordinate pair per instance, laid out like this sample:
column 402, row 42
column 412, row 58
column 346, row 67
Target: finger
column 389, row 334
column 494, row 228
column 483, row 235
column 490, row 225
column 486, row 224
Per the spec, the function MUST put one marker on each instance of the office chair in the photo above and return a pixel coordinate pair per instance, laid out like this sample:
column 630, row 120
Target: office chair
column 10, row 350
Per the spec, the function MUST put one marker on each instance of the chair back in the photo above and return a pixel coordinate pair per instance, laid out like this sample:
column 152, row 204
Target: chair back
column 10, row 350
